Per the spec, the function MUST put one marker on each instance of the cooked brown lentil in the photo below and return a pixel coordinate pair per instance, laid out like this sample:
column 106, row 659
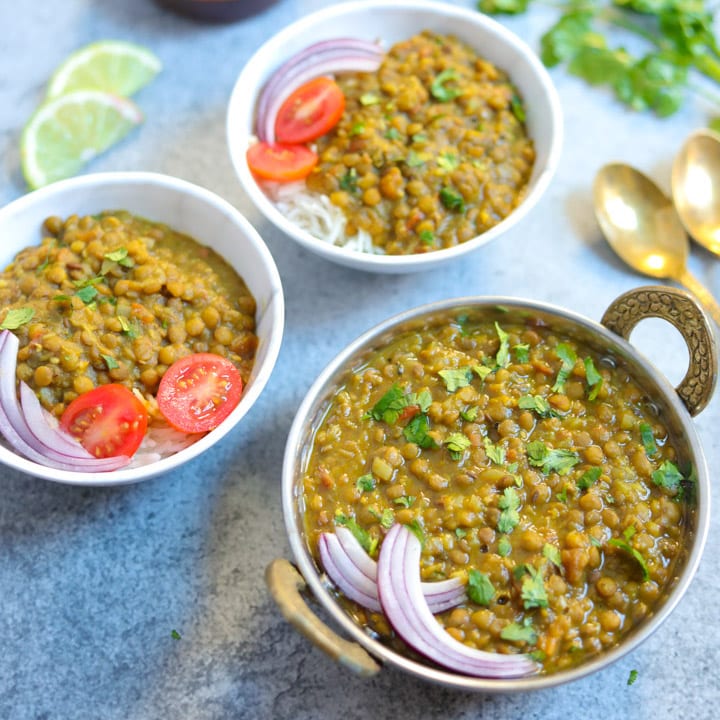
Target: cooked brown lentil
column 118, row 298
column 431, row 150
column 512, row 492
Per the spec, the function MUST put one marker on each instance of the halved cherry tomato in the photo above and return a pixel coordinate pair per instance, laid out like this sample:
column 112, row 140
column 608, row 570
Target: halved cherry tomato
column 408, row 413
column 310, row 111
column 197, row 392
column 282, row 163
column 107, row 420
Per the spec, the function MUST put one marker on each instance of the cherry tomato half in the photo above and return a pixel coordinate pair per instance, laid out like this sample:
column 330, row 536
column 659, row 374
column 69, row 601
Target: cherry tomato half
column 310, row 111
column 197, row 392
column 282, row 163
column 107, row 420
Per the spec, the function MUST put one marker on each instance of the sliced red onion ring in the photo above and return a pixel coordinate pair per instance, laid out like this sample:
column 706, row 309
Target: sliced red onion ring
column 326, row 57
column 404, row 605
column 27, row 429
column 348, row 565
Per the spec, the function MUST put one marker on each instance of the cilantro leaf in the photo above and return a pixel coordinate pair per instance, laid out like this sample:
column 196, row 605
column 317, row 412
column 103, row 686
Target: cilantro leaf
column 15, row 317
column 551, row 460
column 427, row 237
column 632, row 677
column 365, row 483
column 386, row 518
column 87, row 294
column 452, row 199
column 568, row 357
column 495, row 452
column 520, row 633
column 624, row 544
column 667, row 476
column 455, row 379
column 482, row 371
column 423, row 400
column 416, row 529
column 369, row 99
column 416, row 431
column 571, row 33
column 175, row 635
column 537, row 403
column 457, row 443
column 551, row 553
column 447, row 161
column 440, row 89
column 470, row 415
column 405, row 500
column 460, row 533
column 655, row 82
column 479, row 588
column 360, row 534
column 589, row 478
column 502, row 358
column 503, row 7
column 388, row 407
column 504, row 547
column 533, row 591
column 648, row 439
column 509, row 504
column 593, row 378
column 522, row 353
column 348, row 181
column 110, row 361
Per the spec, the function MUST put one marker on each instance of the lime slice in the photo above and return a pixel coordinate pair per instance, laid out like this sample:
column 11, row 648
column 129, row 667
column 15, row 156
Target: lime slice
column 112, row 66
column 70, row 130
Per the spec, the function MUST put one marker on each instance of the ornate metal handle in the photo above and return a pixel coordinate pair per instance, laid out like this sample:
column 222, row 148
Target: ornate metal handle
column 285, row 583
column 682, row 311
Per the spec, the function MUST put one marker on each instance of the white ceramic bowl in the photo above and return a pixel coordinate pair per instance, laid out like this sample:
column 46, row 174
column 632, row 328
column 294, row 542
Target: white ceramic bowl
column 391, row 22
column 184, row 207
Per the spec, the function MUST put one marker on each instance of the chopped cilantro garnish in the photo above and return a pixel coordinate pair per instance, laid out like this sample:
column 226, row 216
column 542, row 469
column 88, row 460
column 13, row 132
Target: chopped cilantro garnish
column 440, row 91
column 423, row 399
column 386, row 518
column 517, row 108
column 667, row 476
column 419, row 138
column 469, row 415
column 589, row 478
column 119, row 256
column 569, row 358
column 414, row 159
column 632, row 677
column 87, row 293
column 348, row 181
column 624, row 544
column 520, row 633
column 416, row 431
column 551, row 553
column 368, row 542
column 365, row 483
column 562, row 495
column 392, row 134
column 405, row 500
column 416, row 530
column 455, row 379
column 452, row 199
column 504, row 546
column 457, row 443
column 369, row 99
column 16, row 317
column 533, row 591
column 502, row 358
column 130, row 328
column 479, row 588
column 110, row 361
column 460, row 533
column 448, row 161
column 509, row 503
column 388, row 407
column 175, row 635
column 427, row 237
column 537, row 403
column 648, row 439
column 593, row 378
column 482, row 371
column 551, row 460
column 522, row 353
column 495, row 452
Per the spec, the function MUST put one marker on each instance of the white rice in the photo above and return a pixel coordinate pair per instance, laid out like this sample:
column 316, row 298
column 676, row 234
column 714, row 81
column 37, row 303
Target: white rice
column 314, row 213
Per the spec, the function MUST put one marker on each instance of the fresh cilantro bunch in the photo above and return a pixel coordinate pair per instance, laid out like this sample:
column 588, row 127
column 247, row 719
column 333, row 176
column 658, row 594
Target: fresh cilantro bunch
column 678, row 34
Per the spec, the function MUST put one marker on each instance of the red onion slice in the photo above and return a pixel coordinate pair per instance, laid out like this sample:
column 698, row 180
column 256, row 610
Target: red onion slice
column 326, row 57
column 348, row 565
column 404, row 605
column 31, row 435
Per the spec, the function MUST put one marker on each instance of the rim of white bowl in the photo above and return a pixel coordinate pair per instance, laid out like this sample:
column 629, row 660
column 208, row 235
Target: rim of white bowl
column 275, row 306
column 273, row 47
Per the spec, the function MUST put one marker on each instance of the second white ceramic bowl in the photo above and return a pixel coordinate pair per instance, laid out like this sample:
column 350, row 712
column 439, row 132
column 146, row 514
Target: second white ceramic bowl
column 390, row 22
column 187, row 208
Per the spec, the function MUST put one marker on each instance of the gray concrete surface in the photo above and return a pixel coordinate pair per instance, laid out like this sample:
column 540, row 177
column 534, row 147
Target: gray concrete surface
column 94, row 581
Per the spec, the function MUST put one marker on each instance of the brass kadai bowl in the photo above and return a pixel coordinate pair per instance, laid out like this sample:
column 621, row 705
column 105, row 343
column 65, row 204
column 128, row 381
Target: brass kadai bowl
column 363, row 653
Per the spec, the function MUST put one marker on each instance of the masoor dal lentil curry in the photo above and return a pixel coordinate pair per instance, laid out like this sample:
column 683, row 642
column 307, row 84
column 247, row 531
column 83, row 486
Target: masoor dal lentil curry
column 431, row 149
column 115, row 298
column 529, row 464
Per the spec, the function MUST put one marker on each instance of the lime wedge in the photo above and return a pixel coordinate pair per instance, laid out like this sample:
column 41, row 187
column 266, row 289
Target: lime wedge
column 112, row 66
column 70, row 130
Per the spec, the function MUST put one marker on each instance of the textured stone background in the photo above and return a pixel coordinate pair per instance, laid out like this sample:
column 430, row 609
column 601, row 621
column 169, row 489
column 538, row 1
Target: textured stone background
column 93, row 581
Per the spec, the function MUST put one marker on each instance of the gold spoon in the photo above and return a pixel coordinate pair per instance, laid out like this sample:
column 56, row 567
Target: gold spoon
column 643, row 228
column 696, row 187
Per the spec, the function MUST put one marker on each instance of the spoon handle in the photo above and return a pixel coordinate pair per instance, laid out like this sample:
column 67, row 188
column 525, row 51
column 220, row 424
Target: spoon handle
column 687, row 279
